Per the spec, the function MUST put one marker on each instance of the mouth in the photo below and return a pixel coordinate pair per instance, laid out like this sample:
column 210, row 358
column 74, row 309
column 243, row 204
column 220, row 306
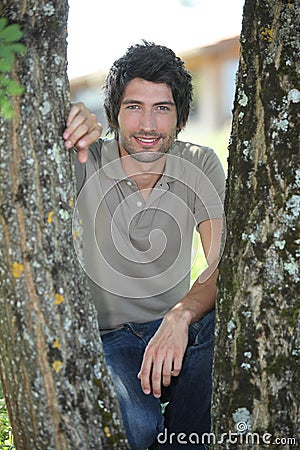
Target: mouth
column 147, row 142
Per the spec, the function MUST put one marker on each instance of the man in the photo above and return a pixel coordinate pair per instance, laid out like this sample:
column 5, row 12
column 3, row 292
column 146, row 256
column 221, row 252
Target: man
column 141, row 195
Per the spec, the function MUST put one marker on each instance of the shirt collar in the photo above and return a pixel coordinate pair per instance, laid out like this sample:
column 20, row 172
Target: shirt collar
column 112, row 167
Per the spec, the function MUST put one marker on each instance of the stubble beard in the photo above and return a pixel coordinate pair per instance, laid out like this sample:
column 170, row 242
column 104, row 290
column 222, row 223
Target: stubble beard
column 147, row 156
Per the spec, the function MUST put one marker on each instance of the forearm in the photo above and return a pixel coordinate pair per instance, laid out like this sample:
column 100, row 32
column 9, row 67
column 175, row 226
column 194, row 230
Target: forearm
column 201, row 297
column 198, row 301
column 164, row 354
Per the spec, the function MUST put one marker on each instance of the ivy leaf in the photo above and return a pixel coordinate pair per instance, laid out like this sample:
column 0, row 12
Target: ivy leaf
column 6, row 109
column 9, row 86
column 17, row 48
column 11, row 33
column 9, row 47
column 5, row 65
column 3, row 82
column 13, row 88
column 3, row 23
column 6, row 55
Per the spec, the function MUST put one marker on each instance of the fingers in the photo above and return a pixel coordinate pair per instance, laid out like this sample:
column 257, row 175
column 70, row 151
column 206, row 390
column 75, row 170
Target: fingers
column 157, row 374
column 82, row 130
column 163, row 355
column 177, row 366
column 145, row 372
column 150, row 374
column 167, row 370
column 157, row 368
column 75, row 109
column 77, row 115
column 82, row 155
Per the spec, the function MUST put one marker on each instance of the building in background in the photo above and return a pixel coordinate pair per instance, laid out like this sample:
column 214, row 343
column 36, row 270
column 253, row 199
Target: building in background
column 213, row 68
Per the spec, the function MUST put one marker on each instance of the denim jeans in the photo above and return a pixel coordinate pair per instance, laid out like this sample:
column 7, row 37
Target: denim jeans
column 187, row 414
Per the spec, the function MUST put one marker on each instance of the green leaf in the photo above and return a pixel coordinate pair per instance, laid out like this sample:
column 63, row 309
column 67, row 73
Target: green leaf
column 7, row 56
column 6, row 109
column 17, row 48
column 9, row 50
column 5, row 66
column 9, row 47
column 3, row 101
column 3, row 80
column 3, row 23
column 13, row 88
column 5, row 52
column 11, row 33
column 9, row 87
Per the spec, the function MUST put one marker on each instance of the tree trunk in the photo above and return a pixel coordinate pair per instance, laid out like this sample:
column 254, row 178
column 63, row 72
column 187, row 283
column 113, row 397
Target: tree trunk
column 58, row 392
column 256, row 366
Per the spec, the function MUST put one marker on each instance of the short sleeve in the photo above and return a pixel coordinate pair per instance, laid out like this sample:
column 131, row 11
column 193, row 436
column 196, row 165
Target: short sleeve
column 210, row 188
column 85, row 170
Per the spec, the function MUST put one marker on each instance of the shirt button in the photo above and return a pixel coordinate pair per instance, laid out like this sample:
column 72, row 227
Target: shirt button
column 129, row 183
column 139, row 204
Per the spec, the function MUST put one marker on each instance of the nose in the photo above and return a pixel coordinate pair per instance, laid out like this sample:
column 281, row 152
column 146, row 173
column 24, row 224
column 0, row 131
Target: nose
column 148, row 121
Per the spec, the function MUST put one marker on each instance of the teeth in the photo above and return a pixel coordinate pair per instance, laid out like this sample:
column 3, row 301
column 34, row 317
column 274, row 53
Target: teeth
column 147, row 140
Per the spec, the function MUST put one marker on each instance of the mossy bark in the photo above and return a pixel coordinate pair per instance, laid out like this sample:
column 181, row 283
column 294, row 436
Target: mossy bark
column 58, row 392
column 256, row 364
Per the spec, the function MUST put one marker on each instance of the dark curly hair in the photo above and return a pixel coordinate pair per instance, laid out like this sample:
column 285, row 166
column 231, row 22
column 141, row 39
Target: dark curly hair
column 150, row 62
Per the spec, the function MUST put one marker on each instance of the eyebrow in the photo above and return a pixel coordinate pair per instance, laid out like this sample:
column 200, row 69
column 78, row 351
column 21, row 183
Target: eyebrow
column 139, row 102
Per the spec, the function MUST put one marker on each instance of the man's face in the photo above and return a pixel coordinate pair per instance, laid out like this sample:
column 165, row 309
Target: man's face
column 147, row 120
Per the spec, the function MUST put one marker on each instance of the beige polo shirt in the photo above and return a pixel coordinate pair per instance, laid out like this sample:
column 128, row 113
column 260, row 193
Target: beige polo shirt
column 137, row 254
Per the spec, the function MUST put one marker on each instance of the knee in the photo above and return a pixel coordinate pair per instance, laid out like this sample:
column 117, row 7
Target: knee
column 142, row 441
column 141, row 428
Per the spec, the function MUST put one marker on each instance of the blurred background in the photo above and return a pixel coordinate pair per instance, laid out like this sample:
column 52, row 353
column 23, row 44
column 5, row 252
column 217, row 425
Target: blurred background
column 204, row 33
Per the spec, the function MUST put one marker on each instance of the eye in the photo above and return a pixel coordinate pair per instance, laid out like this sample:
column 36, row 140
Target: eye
column 133, row 107
column 163, row 108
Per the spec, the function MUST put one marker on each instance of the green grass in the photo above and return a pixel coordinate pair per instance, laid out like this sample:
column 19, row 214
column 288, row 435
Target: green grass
column 218, row 141
column 6, row 438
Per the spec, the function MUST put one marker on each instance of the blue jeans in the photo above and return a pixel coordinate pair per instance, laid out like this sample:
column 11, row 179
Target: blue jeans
column 188, row 396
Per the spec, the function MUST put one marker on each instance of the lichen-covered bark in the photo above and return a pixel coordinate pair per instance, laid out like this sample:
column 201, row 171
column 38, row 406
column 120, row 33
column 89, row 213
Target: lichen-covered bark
column 256, row 366
column 58, row 391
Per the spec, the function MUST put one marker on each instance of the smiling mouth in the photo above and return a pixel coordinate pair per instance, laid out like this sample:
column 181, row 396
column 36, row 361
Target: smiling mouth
column 147, row 141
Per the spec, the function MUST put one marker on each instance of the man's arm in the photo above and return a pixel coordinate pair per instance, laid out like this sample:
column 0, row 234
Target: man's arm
column 82, row 130
column 164, row 353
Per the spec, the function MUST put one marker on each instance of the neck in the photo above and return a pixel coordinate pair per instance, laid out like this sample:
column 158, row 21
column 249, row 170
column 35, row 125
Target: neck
column 145, row 174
